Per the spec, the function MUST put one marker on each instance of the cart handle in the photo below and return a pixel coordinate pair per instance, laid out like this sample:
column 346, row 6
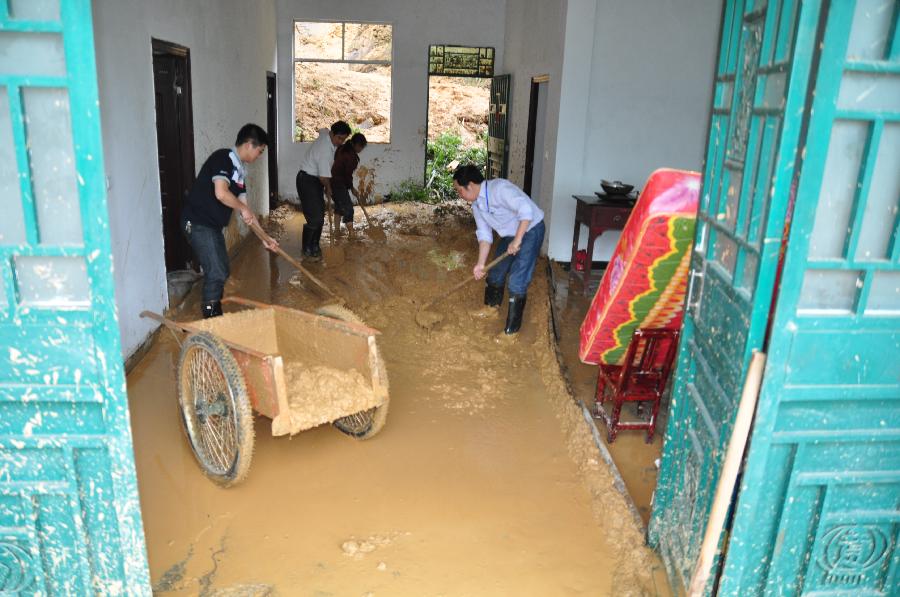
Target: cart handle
column 189, row 328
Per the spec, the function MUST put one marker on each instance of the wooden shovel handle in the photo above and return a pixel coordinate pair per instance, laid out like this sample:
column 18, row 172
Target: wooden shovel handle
column 265, row 238
column 466, row 281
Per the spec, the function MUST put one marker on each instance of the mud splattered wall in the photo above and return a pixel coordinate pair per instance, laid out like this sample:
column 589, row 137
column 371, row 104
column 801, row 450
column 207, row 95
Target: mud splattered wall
column 417, row 23
column 232, row 44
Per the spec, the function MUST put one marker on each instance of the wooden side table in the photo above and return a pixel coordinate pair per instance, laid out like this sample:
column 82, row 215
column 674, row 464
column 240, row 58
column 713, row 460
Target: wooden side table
column 599, row 214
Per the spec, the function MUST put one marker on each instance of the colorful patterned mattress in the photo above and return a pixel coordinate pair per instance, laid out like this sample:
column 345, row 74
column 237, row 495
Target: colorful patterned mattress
column 645, row 282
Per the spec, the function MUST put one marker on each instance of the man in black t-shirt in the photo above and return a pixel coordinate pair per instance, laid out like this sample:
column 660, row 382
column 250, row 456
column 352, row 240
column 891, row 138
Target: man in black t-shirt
column 219, row 190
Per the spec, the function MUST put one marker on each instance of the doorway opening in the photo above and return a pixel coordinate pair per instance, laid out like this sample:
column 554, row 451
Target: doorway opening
column 272, row 132
column 175, row 145
column 459, row 101
column 457, row 129
column 534, row 148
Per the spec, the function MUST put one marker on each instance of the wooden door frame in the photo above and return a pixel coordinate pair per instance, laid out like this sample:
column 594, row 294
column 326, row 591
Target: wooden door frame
column 532, row 130
column 161, row 47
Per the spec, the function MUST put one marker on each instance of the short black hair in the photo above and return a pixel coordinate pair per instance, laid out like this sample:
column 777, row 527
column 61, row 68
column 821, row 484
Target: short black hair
column 358, row 139
column 253, row 133
column 468, row 173
column 340, row 128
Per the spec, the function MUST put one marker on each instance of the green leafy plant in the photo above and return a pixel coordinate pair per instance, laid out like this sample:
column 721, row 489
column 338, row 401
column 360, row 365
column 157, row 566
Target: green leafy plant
column 441, row 152
column 410, row 190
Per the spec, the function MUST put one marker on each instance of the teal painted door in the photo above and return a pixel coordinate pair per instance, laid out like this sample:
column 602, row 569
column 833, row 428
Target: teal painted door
column 764, row 60
column 69, row 515
column 819, row 507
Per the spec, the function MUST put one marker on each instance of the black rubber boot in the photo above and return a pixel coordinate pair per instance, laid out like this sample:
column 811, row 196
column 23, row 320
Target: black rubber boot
column 493, row 295
column 315, row 250
column 212, row 309
column 316, row 247
column 307, row 241
column 514, row 315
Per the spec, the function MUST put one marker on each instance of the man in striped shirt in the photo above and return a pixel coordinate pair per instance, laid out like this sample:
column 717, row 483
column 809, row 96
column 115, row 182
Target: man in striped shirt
column 500, row 206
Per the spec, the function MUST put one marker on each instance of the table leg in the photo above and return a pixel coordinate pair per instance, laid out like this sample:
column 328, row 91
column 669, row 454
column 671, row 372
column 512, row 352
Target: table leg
column 575, row 237
column 590, row 258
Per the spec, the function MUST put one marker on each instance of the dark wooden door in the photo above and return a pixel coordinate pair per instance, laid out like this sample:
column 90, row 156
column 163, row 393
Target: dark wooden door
column 272, row 130
column 175, row 144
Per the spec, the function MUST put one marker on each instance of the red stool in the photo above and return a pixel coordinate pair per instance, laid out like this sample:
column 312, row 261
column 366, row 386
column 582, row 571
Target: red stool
column 642, row 378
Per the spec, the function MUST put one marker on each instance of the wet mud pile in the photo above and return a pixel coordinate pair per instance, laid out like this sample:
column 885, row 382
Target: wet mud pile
column 485, row 479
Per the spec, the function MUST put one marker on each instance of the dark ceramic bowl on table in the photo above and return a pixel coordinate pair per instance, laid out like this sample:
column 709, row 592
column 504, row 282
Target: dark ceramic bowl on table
column 616, row 187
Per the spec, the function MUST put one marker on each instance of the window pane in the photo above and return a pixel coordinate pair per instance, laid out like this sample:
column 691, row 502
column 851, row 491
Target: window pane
column 726, row 252
column 839, row 186
column 34, row 10
column 320, row 41
column 871, row 29
column 57, row 282
column 871, row 92
column 12, row 224
column 357, row 93
column 883, row 199
column 34, row 54
column 52, row 157
column 885, row 292
column 829, row 290
column 367, row 42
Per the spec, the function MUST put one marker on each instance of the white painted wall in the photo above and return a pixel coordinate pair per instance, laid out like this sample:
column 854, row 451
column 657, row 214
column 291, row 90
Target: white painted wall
column 631, row 84
column 535, row 31
column 416, row 25
column 232, row 45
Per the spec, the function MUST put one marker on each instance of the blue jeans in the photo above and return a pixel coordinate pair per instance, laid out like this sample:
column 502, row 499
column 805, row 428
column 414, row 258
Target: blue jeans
column 209, row 245
column 519, row 267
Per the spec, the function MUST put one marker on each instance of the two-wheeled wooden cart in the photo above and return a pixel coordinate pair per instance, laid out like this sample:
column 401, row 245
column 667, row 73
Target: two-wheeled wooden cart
column 235, row 364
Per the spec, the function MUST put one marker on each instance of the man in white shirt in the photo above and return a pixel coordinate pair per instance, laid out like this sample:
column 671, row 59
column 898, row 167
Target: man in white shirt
column 314, row 183
column 500, row 206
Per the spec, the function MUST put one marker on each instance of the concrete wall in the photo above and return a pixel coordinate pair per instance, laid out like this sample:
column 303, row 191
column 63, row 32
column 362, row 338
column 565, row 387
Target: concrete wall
column 232, row 45
column 632, row 94
column 416, row 25
column 528, row 55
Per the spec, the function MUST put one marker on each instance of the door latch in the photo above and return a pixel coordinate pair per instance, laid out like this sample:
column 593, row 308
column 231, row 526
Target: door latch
column 696, row 281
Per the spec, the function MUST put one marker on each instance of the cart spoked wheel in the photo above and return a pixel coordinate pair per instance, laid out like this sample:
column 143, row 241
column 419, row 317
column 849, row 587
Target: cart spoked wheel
column 366, row 423
column 215, row 409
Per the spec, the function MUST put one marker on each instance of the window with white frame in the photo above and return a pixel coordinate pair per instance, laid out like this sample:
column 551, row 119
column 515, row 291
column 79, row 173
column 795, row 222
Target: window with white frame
column 342, row 71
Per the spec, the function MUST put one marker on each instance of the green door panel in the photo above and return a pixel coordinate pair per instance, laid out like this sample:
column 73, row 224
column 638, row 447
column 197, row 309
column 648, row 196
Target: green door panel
column 70, row 519
column 819, row 507
column 764, row 60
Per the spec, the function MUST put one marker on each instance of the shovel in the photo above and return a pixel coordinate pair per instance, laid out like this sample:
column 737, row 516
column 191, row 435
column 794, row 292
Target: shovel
column 427, row 319
column 375, row 231
column 258, row 231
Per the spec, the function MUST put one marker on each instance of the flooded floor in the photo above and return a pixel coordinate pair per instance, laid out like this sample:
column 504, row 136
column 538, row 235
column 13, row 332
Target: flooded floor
column 484, row 481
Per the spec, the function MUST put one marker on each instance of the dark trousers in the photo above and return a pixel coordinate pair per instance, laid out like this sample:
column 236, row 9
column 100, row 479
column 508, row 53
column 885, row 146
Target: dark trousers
column 519, row 267
column 209, row 246
column 342, row 202
column 312, row 199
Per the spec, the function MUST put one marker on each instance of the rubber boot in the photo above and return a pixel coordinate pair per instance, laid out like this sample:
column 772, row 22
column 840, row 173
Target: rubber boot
column 493, row 295
column 315, row 250
column 212, row 309
column 514, row 315
column 307, row 240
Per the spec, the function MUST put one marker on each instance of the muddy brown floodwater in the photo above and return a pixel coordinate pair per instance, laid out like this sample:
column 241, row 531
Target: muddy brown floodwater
column 484, row 480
